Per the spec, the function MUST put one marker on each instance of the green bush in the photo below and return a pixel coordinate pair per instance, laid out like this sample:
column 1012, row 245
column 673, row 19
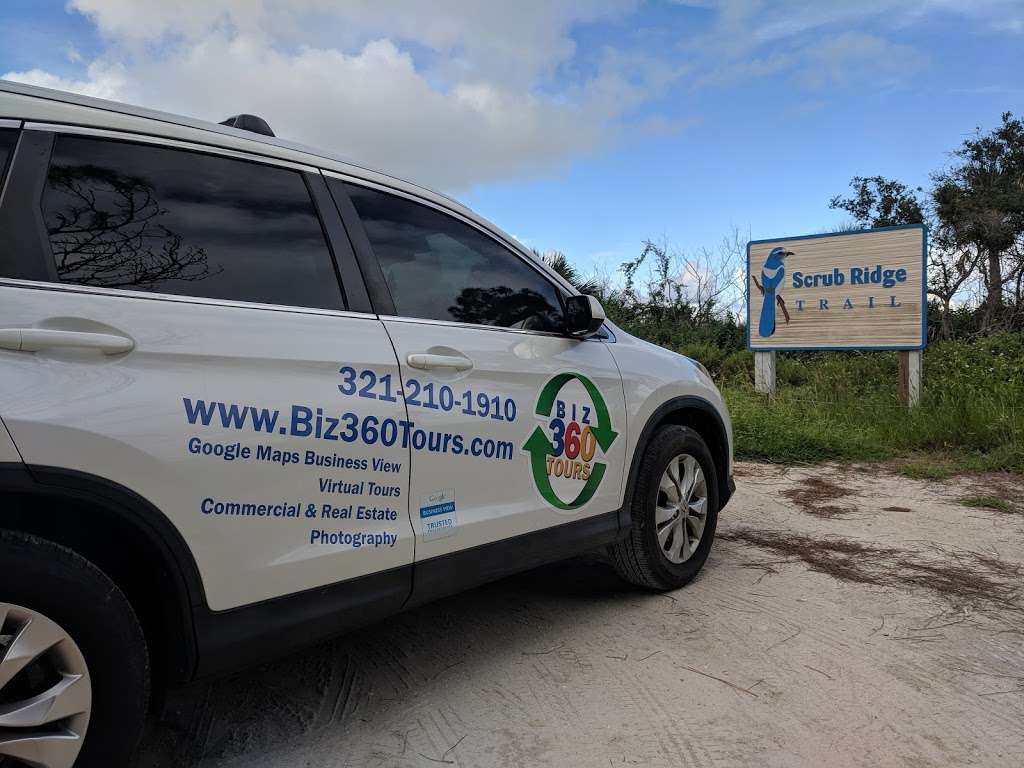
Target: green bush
column 737, row 367
column 844, row 406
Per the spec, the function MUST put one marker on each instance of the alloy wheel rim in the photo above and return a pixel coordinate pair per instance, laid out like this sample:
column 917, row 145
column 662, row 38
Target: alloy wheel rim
column 45, row 691
column 681, row 509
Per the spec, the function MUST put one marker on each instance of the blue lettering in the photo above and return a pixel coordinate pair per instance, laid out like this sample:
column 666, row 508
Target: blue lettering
column 302, row 421
column 434, row 445
column 232, row 416
column 263, row 420
column 198, row 410
column 350, row 420
column 226, row 451
column 332, row 425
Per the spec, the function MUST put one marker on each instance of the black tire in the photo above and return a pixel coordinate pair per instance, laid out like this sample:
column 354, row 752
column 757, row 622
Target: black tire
column 63, row 586
column 638, row 558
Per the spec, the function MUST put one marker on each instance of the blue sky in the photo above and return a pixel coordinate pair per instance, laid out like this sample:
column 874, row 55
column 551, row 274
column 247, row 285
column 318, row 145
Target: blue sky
column 583, row 127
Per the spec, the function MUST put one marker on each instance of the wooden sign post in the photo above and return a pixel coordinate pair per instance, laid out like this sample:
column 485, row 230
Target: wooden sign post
column 861, row 290
column 764, row 372
column 910, row 377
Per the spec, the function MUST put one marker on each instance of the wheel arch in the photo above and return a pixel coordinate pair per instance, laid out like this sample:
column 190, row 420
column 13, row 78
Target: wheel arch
column 127, row 538
column 701, row 416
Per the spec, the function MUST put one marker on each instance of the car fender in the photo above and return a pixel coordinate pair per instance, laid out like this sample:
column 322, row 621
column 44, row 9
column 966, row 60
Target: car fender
column 664, row 387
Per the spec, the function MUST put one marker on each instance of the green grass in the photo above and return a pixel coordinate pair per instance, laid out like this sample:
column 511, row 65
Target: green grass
column 986, row 502
column 936, row 468
column 844, row 406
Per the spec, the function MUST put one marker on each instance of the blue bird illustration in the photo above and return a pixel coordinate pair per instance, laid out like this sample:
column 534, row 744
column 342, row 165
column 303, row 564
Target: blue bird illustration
column 772, row 272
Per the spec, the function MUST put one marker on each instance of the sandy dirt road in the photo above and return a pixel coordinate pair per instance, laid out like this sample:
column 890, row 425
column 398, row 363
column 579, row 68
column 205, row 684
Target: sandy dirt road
column 844, row 618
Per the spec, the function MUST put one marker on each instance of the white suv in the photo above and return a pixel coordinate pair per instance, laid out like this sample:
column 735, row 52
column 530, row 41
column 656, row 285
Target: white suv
column 253, row 395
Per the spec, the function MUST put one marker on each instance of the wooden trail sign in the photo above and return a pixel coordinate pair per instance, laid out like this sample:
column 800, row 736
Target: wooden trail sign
column 858, row 290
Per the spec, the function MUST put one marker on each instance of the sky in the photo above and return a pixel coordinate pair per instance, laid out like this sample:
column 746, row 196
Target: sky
column 585, row 126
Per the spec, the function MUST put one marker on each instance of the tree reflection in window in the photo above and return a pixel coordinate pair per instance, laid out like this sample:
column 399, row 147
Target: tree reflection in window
column 440, row 268
column 505, row 308
column 108, row 232
column 132, row 215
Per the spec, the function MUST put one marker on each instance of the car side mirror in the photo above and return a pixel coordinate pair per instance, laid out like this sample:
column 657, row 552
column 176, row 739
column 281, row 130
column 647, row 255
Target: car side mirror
column 584, row 316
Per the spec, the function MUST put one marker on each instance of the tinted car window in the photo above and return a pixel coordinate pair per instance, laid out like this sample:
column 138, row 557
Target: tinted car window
column 149, row 218
column 439, row 268
column 8, row 138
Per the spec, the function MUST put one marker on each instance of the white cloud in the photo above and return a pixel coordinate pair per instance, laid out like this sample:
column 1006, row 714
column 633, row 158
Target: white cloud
column 102, row 81
column 854, row 57
column 832, row 42
column 529, row 33
column 148, row 20
column 375, row 107
column 456, row 93
column 452, row 94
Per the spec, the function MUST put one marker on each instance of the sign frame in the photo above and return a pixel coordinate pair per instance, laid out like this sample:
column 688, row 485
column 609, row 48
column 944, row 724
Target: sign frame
column 852, row 233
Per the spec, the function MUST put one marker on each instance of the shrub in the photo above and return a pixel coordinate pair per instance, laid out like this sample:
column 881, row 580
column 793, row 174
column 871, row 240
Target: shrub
column 844, row 406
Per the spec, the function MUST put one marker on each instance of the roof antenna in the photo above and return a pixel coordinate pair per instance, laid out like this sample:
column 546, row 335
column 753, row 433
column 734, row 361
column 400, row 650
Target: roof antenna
column 250, row 123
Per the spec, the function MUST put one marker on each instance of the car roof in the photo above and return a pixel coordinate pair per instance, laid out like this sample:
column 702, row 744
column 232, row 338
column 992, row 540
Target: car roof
column 34, row 104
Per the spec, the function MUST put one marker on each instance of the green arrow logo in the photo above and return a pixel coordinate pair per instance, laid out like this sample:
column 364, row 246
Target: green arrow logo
column 539, row 447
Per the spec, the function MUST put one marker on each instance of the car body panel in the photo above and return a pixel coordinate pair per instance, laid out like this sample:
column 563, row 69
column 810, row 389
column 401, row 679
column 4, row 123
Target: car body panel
column 123, row 417
column 8, row 451
column 652, row 376
column 498, row 497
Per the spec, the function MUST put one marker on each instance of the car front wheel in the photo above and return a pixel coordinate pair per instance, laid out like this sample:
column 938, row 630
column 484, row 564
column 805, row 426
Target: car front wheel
column 674, row 510
column 74, row 673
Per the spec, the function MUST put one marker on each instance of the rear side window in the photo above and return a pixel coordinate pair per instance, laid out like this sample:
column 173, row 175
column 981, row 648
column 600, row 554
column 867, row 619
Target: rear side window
column 440, row 268
column 8, row 138
column 140, row 217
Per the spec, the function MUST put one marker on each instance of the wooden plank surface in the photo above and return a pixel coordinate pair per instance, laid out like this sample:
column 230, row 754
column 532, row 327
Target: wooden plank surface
column 857, row 315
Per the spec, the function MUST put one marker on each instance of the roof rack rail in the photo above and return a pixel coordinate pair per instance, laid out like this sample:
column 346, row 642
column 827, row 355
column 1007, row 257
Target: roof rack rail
column 251, row 123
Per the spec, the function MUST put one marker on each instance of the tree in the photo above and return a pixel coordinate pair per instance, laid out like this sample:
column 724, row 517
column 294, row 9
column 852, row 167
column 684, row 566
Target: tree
column 952, row 259
column 107, row 230
column 704, row 282
column 949, row 268
column 504, row 307
column 979, row 203
column 559, row 262
column 880, row 202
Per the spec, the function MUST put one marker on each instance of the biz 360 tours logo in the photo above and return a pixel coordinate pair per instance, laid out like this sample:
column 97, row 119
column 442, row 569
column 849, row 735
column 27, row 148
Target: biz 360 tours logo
column 566, row 448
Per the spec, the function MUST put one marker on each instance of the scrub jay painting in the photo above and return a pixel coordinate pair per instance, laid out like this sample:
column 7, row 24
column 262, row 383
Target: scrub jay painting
column 772, row 273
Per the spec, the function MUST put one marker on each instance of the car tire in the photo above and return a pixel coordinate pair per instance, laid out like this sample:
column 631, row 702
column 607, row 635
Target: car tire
column 658, row 553
column 66, row 596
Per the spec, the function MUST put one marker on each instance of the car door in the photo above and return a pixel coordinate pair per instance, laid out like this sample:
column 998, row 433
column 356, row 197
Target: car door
column 515, row 428
column 172, row 320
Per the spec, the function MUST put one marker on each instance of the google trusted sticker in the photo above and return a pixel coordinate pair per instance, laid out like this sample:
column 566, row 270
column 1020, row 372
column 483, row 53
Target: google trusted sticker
column 576, row 430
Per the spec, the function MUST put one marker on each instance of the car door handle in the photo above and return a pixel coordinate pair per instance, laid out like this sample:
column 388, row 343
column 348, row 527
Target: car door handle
column 454, row 362
column 36, row 339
